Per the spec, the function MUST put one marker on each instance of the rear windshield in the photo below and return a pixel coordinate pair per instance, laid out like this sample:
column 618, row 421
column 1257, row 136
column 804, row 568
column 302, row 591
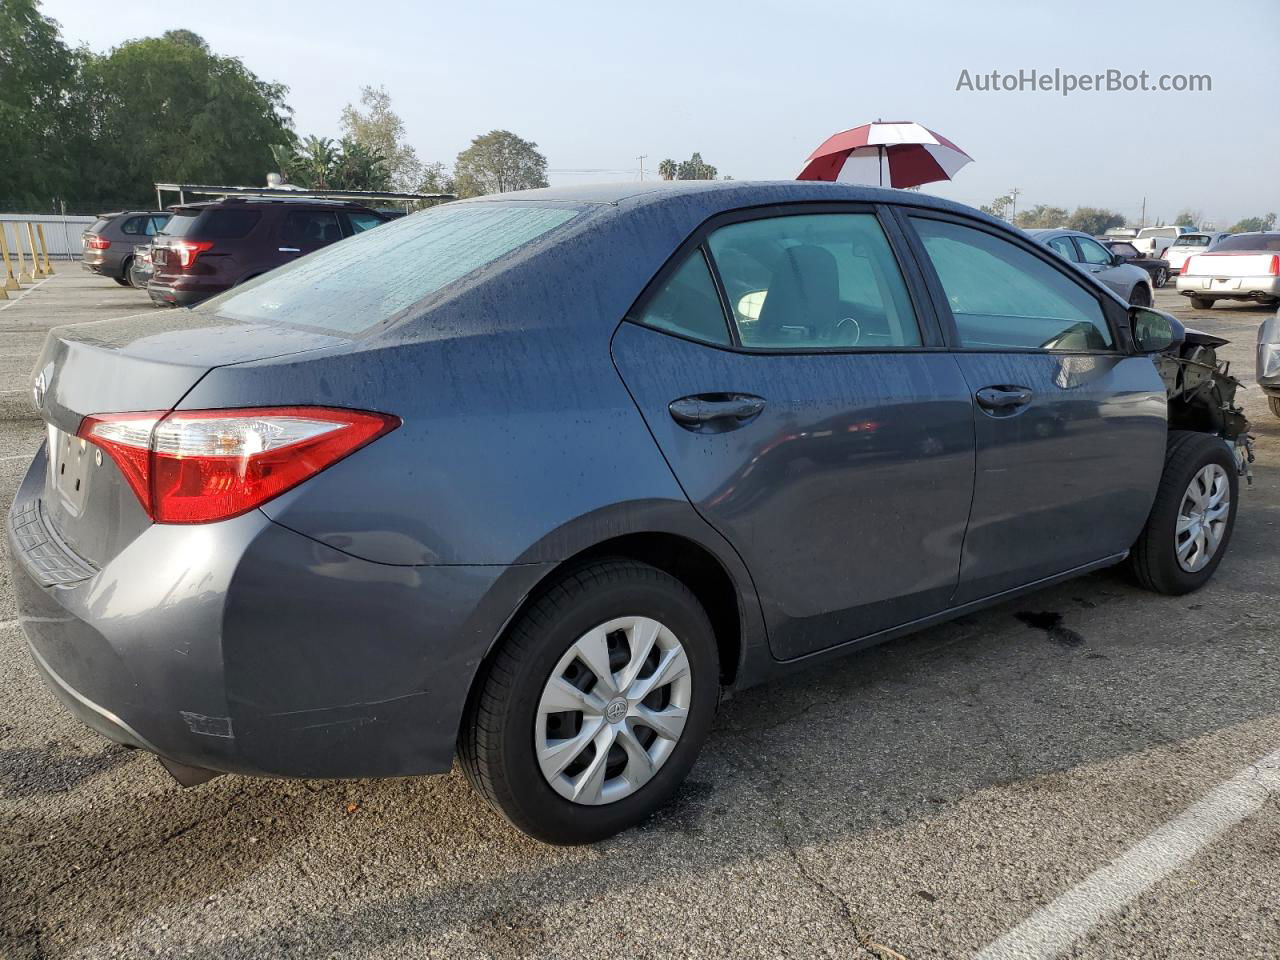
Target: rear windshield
column 1192, row 240
column 353, row 285
column 1257, row 241
column 219, row 223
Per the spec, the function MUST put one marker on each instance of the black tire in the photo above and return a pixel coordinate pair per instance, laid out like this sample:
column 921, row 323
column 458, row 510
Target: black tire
column 1153, row 559
column 1202, row 303
column 1161, row 277
column 496, row 745
column 1274, row 403
column 1140, row 296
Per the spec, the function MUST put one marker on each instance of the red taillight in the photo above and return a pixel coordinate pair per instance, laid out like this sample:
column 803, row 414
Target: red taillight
column 97, row 243
column 1275, row 266
column 197, row 466
column 188, row 250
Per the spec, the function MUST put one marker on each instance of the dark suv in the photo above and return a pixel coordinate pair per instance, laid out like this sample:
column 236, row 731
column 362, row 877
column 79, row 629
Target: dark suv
column 110, row 241
column 207, row 248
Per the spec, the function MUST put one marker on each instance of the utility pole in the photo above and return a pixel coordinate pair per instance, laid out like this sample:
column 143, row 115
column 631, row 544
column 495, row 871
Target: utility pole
column 642, row 158
column 1013, row 200
column 1143, row 222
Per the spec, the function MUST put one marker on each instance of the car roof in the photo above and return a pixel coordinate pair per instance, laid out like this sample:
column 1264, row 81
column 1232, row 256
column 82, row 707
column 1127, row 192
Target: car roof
column 725, row 195
column 133, row 213
column 199, row 205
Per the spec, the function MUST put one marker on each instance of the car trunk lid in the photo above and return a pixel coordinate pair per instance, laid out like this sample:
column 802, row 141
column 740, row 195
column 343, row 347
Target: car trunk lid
column 1234, row 264
column 141, row 363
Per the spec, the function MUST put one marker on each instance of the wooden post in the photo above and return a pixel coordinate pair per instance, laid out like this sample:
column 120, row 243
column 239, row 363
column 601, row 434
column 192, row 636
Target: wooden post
column 23, row 276
column 36, row 270
column 10, row 281
column 44, row 250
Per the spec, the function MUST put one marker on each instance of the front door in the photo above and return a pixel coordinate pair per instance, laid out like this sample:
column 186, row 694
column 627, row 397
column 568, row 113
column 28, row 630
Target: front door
column 1070, row 427
column 822, row 429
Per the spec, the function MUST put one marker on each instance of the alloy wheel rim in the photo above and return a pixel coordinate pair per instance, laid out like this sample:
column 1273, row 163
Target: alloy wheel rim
column 1202, row 518
column 612, row 711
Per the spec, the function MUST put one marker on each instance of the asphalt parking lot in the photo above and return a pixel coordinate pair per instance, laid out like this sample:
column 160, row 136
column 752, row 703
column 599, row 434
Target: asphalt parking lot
column 1057, row 763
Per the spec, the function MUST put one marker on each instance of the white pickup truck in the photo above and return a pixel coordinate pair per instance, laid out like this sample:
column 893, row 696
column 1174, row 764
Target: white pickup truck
column 1153, row 241
column 1245, row 266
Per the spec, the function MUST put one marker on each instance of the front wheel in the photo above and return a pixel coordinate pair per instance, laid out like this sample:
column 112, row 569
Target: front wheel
column 1161, row 277
column 1192, row 518
column 594, row 708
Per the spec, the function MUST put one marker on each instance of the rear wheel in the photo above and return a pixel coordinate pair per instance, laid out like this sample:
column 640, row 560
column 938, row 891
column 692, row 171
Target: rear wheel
column 124, row 280
column 596, row 705
column 1192, row 518
column 1202, row 303
column 1141, row 296
column 1161, row 277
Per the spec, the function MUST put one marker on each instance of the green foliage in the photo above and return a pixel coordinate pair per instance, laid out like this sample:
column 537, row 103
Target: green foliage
column 167, row 108
column 1094, row 220
column 1042, row 216
column 1255, row 224
column 379, row 131
column 317, row 163
column 38, row 94
column 695, row 168
column 499, row 161
column 999, row 207
column 78, row 126
column 1188, row 218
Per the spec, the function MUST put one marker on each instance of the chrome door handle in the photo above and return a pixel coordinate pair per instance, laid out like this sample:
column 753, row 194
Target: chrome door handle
column 290, row 249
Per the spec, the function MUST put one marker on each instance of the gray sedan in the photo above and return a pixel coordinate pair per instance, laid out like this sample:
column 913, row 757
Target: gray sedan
column 1132, row 283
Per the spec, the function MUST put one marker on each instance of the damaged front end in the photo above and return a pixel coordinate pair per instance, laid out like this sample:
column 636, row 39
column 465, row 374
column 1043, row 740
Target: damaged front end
column 1202, row 394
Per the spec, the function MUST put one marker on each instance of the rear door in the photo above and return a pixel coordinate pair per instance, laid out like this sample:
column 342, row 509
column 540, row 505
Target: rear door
column 1070, row 426
column 823, row 429
column 305, row 231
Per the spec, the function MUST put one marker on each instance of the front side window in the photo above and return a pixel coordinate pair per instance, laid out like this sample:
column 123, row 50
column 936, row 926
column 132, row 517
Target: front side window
column 814, row 281
column 687, row 304
column 360, row 222
column 1004, row 297
column 1093, row 252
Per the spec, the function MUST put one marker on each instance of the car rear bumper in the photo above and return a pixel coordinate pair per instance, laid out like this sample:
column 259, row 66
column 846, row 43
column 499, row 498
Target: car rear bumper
column 1229, row 288
column 245, row 647
column 182, row 293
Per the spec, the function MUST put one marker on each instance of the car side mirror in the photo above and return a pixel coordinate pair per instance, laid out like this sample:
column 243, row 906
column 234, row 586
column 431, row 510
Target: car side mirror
column 1153, row 330
column 1117, row 259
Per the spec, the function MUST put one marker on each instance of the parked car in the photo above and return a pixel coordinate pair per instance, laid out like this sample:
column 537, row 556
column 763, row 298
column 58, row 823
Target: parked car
column 111, row 241
column 1188, row 245
column 213, row 246
column 1153, row 241
column 1245, row 266
column 1132, row 283
column 535, row 478
column 141, row 269
column 1269, row 361
column 1157, row 267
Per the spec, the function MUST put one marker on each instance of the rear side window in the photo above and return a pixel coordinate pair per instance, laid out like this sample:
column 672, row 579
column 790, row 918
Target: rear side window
column 225, row 224
column 136, row 226
column 310, row 228
column 688, row 304
column 1004, row 297
column 814, row 281
column 411, row 258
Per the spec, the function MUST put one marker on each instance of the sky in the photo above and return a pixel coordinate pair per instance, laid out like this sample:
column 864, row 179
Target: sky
column 756, row 86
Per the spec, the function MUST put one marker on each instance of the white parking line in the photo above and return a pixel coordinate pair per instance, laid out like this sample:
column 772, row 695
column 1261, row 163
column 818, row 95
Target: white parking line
column 1052, row 929
column 13, row 301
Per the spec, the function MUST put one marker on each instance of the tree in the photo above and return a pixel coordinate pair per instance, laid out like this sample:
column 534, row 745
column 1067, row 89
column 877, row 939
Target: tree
column 998, row 207
column 695, row 168
column 1094, row 220
column 38, row 90
column 436, row 178
column 1255, row 224
column 1188, row 218
column 499, row 161
column 168, row 108
column 379, row 130
column 1042, row 216
column 317, row 163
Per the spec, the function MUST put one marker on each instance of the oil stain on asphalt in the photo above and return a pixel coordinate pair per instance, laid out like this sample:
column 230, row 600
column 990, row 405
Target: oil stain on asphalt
column 1051, row 623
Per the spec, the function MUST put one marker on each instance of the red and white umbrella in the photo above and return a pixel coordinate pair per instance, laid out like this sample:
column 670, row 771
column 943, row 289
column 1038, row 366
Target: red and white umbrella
column 899, row 154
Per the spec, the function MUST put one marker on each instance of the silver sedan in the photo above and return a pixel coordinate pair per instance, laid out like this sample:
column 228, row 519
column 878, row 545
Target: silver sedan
column 1132, row 283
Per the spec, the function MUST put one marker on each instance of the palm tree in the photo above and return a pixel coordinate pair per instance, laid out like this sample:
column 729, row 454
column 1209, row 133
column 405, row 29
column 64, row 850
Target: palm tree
column 667, row 169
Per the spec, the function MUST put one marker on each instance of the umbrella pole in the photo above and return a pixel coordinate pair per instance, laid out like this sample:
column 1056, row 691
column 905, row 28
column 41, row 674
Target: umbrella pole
column 880, row 154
